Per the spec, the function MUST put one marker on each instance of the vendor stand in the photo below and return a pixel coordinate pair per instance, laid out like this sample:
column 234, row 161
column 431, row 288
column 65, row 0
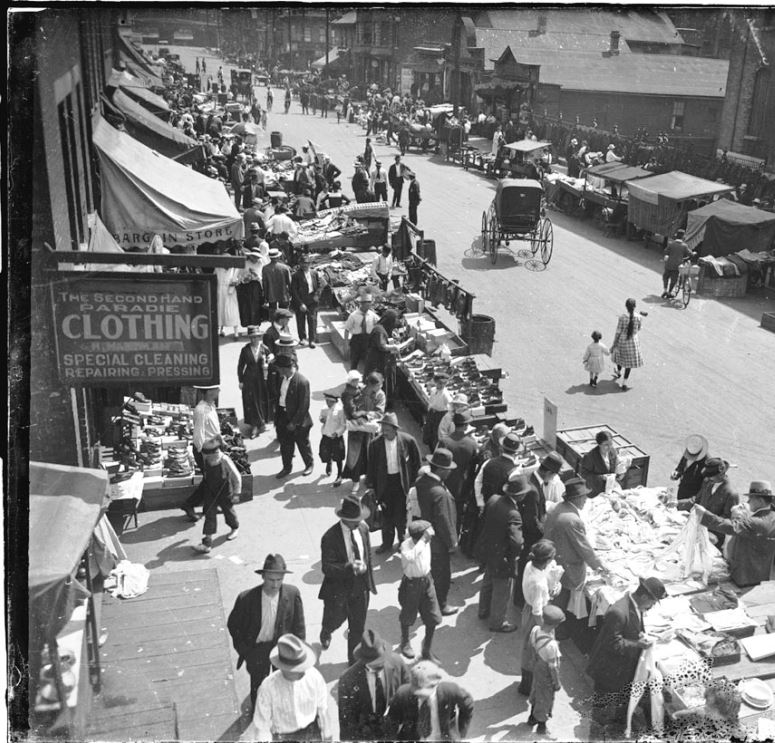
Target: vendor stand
column 527, row 158
column 659, row 205
column 353, row 226
column 723, row 226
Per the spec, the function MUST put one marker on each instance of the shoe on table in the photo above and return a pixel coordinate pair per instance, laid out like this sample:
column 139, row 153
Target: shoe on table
column 203, row 548
column 233, row 534
column 505, row 627
column 190, row 513
column 448, row 610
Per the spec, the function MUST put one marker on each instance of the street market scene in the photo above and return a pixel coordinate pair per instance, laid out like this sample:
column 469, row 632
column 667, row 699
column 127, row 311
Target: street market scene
column 397, row 373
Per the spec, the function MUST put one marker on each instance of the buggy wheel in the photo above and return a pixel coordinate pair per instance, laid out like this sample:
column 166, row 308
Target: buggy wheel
column 485, row 234
column 686, row 291
column 535, row 239
column 494, row 240
column 547, row 241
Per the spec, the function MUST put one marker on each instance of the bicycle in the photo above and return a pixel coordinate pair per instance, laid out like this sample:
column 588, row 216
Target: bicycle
column 683, row 288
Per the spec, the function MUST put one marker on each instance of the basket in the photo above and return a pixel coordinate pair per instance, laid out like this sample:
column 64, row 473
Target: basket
column 722, row 287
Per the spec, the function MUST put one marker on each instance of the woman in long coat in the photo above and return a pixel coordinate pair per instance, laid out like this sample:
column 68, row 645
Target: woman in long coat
column 253, row 377
column 625, row 350
column 228, row 309
column 381, row 351
column 250, row 293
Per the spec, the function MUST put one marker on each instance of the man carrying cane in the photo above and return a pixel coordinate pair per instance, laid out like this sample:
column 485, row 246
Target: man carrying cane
column 221, row 480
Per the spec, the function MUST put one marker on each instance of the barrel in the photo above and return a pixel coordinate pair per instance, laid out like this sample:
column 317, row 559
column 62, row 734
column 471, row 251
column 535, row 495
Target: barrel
column 276, row 139
column 478, row 333
column 427, row 249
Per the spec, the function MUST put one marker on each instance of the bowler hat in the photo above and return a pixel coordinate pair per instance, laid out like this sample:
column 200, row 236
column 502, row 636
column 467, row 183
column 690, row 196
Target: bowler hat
column 575, row 488
column 761, row 489
column 418, row 527
column 552, row 615
column 715, row 466
column 511, row 443
column 274, row 564
column 351, row 509
column 552, row 462
column 653, row 587
column 442, row 458
column 517, row 485
column 283, row 362
column 372, row 647
column 292, row 654
column 391, row 419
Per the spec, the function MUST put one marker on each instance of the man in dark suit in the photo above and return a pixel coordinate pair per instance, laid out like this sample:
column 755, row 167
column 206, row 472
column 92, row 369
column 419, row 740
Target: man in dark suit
column 614, row 656
column 437, row 506
column 366, row 689
column 260, row 616
column 276, row 279
column 414, row 198
column 598, row 463
column 330, row 171
column 565, row 527
column 393, row 463
column 347, row 575
column 292, row 419
column 305, row 297
column 500, row 543
column 428, row 708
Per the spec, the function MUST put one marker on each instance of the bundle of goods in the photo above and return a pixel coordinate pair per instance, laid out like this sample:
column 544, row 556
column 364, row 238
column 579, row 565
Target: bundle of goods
column 179, row 462
column 150, row 453
column 464, row 377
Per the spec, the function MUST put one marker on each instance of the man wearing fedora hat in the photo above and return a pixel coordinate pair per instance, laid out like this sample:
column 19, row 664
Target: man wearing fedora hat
column 494, row 473
column 292, row 702
column 465, row 453
column 716, row 495
column 292, row 419
column 260, row 616
column 392, row 465
column 305, row 297
column 437, row 506
column 358, row 327
column 366, row 689
column 276, row 280
column 689, row 469
column 615, row 654
column 565, row 527
column 348, row 579
column 751, row 548
column 499, row 546
column 429, row 707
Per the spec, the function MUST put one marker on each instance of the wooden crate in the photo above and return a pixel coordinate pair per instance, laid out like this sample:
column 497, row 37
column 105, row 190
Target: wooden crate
column 574, row 443
column 768, row 321
column 712, row 286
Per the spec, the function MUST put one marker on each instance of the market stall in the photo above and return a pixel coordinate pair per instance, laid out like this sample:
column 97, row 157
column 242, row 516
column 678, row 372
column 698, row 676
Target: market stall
column 660, row 204
column 144, row 194
column 352, row 226
column 724, row 226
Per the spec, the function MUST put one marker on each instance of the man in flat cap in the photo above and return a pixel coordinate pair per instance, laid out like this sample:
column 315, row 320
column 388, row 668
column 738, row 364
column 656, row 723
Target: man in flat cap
column 260, row 615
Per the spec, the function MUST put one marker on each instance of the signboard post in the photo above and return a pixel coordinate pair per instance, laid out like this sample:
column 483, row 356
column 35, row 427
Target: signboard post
column 117, row 328
column 550, row 423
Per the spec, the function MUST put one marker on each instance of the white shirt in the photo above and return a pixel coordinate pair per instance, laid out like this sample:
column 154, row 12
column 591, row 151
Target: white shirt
column 268, row 617
column 382, row 265
column 554, row 490
column 415, row 558
column 334, row 420
column 278, row 223
column 284, row 706
column 446, row 426
column 346, row 532
column 378, row 177
column 440, row 399
column 371, row 682
column 284, row 389
column 206, row 423
column 535, row 587
column 391, row 452
column 308, row 277
column 480, row 478
column 433, row 702
column 354, row 323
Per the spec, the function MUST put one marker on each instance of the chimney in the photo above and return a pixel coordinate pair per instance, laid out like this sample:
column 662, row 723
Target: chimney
column 615, row 43
column 541, row 27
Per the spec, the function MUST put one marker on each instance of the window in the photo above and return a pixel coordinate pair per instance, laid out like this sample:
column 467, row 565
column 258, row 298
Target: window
column 70, row 164
column 307, row 34
column 386, row 35
column 367, row 33
column 677, row 121
column 322, row 35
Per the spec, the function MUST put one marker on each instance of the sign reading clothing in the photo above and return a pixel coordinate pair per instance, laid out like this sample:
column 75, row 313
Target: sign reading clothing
column 119, row 327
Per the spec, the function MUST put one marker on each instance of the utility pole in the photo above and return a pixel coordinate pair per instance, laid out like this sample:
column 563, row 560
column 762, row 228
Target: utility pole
column 327, row 44
column 290, row 49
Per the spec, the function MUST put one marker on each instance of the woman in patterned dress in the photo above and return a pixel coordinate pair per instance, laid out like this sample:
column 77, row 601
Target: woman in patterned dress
column 625, row 350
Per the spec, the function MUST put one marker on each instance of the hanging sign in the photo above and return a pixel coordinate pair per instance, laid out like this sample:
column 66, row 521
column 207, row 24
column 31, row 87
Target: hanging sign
column 117, row 328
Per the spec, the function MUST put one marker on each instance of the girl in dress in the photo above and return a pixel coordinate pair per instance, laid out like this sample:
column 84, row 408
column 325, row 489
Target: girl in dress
column 625, row 350
column 594, row 357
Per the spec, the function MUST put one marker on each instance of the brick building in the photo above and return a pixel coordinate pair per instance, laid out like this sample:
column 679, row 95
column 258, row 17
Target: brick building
column 747, row 122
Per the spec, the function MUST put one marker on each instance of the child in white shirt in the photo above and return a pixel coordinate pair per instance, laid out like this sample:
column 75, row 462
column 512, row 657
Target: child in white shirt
column 594, row 357
column 332, row 441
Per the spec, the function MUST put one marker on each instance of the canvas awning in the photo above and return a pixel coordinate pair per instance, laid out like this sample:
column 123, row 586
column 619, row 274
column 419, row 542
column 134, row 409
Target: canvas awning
column 65, row 506
column 333, row 55
column 149, row 129
column 123, row 77
column 725, row 227
column 144, row 194
column 154, row 103
column 137, row 64
column 619, row 172
column 675, row 186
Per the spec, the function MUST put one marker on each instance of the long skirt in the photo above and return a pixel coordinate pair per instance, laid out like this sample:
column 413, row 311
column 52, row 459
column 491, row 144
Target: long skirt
column 250, row 300
column 255, row 401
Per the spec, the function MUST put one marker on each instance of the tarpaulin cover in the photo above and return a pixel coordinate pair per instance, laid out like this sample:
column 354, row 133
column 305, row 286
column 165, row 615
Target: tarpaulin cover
column 149, row 129
column 618, row 172
column 138, row 64
column 154, row 103
column 65, row 506
column 144, row 193
column 675, row 186
column 122, row 77
column 725, row 226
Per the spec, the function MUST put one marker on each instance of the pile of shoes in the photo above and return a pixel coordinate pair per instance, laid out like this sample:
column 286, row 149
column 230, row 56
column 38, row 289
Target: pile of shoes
column 150, row 453
column 178, row 462
column 239, row 455
column 464, row 377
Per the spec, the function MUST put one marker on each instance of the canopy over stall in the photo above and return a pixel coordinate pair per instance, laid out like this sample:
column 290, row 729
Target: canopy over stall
column 154, row 103
column 144, row 194
column 137, row 64
column 150, row 130
column 660, row 203
column 725, row 227
column 618, row 172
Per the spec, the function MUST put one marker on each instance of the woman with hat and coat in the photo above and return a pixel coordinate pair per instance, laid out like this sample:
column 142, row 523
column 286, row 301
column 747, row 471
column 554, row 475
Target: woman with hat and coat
column 751, row 549
column 250, row 291
column 348, row 579
column 253, row 378
column 381, row 351
column 366, row 688
column 716, row 495
column 689, row 469
column 292, row 702
column 363, row 408
column 260, row 615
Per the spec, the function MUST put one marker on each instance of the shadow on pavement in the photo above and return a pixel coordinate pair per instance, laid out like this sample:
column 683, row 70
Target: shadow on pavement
column 490, row 713
column 166, row 526
column 314, row 576
column 582, row 388
column 180, row 551
column 235, row 730
column 458, row 643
